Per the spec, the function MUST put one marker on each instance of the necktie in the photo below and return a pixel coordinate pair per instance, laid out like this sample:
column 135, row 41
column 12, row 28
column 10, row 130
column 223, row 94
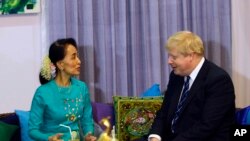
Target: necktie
column 180, row 104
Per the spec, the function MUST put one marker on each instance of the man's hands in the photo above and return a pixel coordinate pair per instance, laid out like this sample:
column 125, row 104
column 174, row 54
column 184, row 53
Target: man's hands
column 56, row 137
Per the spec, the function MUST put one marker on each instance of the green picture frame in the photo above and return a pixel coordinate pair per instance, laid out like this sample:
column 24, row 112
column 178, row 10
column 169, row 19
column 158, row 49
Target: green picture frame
column 8, row 7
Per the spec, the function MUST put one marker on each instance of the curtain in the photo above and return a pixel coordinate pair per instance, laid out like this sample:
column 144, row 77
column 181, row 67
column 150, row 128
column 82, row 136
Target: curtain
column 121, row 42
column 241, row 50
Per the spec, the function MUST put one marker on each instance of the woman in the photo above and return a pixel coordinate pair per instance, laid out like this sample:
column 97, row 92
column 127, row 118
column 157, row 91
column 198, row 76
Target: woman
column 61, row 106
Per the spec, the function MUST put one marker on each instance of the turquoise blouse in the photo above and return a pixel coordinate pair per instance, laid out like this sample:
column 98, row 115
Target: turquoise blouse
column 53, row 105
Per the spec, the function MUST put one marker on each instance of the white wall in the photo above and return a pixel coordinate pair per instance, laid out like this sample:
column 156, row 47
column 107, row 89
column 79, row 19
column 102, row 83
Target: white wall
column 20, row 55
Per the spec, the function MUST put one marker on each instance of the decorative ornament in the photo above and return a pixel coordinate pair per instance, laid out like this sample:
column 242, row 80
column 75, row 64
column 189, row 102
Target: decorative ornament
column 72, row 117
column 71, row 108
column 108, row 134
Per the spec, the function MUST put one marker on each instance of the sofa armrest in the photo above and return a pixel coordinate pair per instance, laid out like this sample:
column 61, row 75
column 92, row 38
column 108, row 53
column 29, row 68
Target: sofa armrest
column 11, row 118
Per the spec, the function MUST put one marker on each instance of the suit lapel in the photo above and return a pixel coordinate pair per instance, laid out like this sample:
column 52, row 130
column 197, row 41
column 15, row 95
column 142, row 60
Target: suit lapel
column 196, row 84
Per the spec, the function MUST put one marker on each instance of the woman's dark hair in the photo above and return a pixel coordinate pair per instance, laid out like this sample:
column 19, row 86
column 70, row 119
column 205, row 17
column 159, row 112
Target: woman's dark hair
column 57, row 52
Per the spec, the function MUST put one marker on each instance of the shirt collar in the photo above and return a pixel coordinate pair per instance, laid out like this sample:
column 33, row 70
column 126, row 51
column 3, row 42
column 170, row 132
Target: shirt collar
column 195, row 72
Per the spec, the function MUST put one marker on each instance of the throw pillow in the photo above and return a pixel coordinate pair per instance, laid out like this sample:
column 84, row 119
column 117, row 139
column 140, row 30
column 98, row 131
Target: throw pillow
column 6, row 131
column 23, row 117
column 154, row 90
column 134, row 116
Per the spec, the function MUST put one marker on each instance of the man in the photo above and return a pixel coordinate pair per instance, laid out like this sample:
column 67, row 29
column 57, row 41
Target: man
column 203, row 107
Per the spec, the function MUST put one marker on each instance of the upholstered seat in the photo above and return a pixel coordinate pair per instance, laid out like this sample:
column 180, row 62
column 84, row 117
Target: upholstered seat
column 243, row 116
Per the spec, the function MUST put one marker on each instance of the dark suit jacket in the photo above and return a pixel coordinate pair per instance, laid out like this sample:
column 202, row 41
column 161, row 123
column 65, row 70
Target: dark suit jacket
column 208, row 112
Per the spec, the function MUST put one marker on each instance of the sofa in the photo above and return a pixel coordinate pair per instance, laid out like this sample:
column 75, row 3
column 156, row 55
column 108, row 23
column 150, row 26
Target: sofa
column 15, row 125
column 100, row 111
column 19, row 119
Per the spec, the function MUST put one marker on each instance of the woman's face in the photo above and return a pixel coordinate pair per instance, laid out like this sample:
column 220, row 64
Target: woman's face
column 70, row 65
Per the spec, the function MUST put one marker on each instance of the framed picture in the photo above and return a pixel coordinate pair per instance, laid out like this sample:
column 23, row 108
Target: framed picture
column 8, row 7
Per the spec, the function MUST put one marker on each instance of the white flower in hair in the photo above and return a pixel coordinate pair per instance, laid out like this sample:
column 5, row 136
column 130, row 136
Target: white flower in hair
column 48, row 69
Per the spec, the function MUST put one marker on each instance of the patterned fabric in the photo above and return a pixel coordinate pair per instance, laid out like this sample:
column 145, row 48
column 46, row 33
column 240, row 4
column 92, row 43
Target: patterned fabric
column 134, row 116
column 181, row 102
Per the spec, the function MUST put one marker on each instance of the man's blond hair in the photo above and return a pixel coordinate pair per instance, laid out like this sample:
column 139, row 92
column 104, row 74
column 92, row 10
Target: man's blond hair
column 186, row 43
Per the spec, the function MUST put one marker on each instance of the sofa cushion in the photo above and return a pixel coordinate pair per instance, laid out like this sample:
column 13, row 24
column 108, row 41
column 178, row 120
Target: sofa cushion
column 243, row 116
column 7, row 131
column 103, row 110
column 23, row 119
column 135, row 115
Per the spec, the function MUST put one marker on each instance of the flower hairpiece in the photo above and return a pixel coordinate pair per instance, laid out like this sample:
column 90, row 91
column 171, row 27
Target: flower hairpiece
column 48, row 69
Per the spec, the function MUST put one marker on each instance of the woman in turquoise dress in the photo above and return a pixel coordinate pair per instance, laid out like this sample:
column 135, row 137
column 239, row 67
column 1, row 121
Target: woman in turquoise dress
column 61, row 108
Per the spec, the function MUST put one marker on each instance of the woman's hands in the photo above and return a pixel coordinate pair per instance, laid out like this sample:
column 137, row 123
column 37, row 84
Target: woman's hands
column 90, row 137
column 56, row 137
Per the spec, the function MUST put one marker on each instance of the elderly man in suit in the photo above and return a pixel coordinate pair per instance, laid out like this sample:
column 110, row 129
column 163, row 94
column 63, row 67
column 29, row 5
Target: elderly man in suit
column 199, row 103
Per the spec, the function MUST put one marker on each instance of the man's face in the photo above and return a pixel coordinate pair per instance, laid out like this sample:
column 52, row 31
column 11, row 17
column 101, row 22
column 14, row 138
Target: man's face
column 181, row 64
